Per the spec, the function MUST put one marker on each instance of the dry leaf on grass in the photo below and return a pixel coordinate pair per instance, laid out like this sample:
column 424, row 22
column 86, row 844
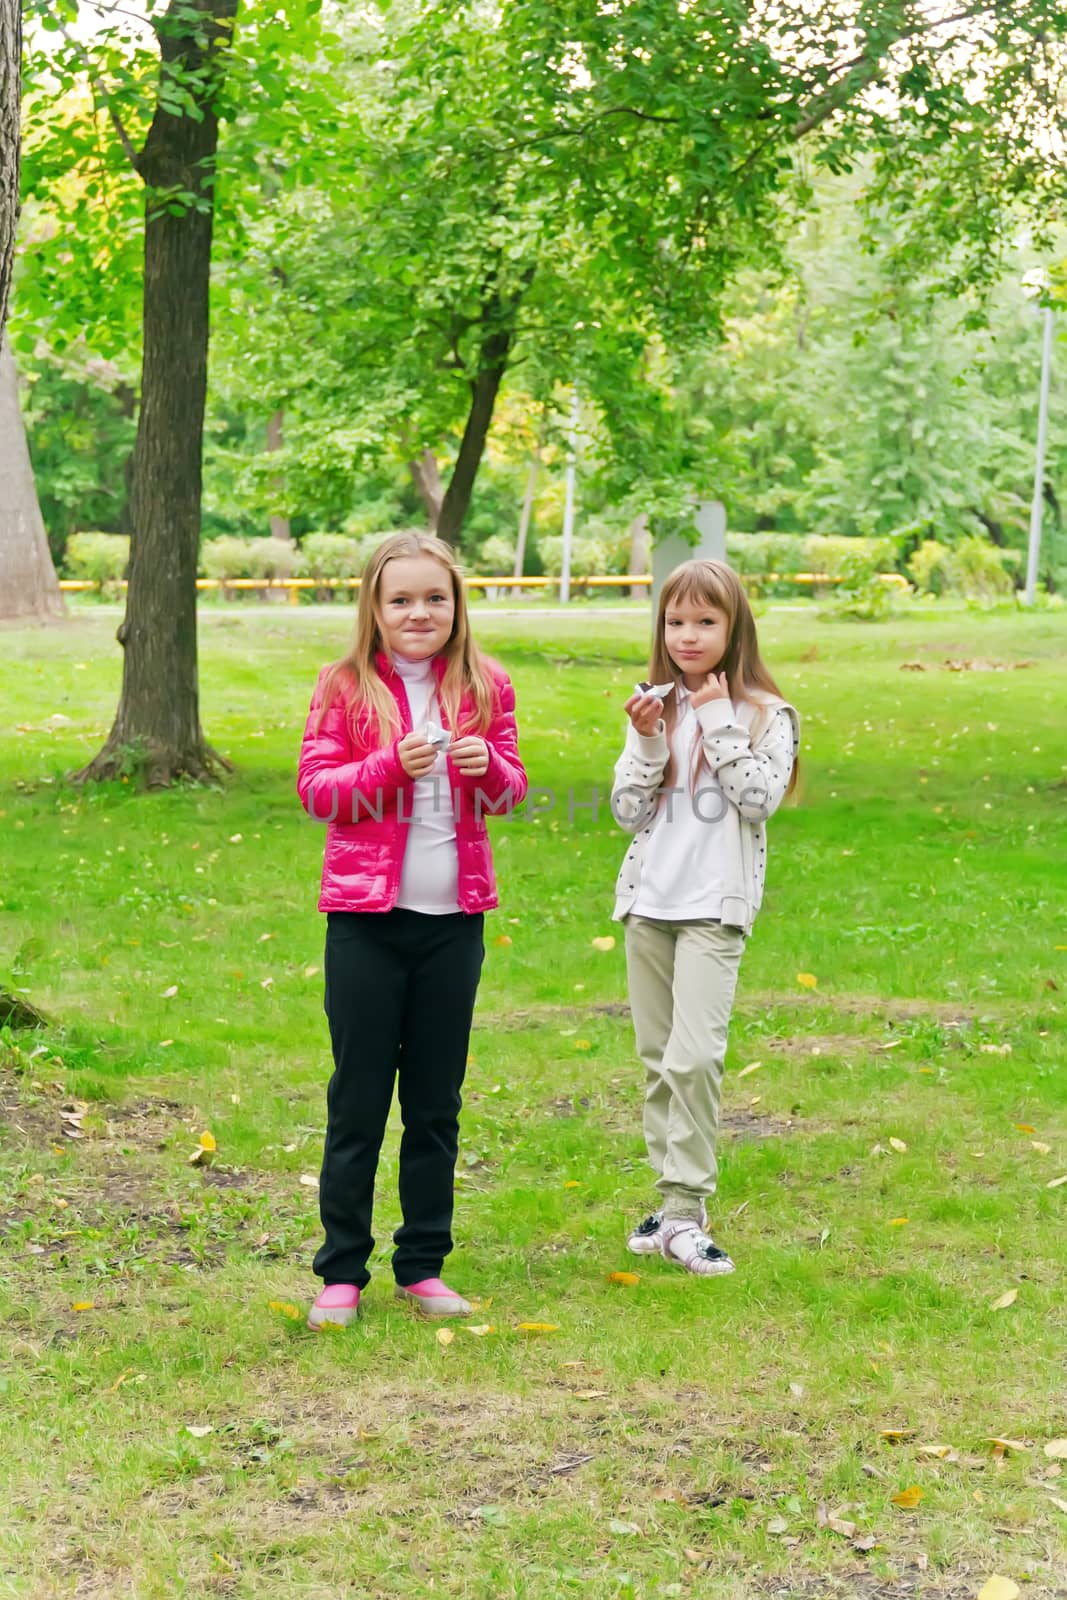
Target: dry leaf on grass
column 998, row 1588
column 1061, row 1505
column 199, row 1430
column 834, row 1521
column 84, row 1305
column 591, row 1394
column 1008, row 1298
column 502, row 939
column 898, row 1222
column 286, row 1309
column 940, row 1452
column 538, row 1327
column 445, row 1335
column 898, row 1145
column 807, row 980
column 605, row 943
column 777, row 1525
column 909, row 1498
column 1056, row 1449
column 1000, row 1445
column 895, row 1433
column 753, row 1066
column 626, row 1279
column 625, row 1529
column 1057, row 1182
column 480, row 1330
column 309, row 1180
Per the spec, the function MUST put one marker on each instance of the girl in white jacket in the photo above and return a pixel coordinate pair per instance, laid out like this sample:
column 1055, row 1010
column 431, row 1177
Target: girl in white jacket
column 710, row 753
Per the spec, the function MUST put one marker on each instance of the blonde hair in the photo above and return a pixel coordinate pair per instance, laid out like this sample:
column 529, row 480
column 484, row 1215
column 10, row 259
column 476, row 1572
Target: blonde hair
column 713, row 583
column 466, row 669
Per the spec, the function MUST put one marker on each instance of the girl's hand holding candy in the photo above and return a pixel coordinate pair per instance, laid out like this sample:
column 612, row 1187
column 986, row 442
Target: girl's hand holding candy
column 470, row 756
column 416, row 755
column 644, row 711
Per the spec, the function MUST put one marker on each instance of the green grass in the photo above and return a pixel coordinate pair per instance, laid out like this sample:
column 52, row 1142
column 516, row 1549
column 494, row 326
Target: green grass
column 658, row 1440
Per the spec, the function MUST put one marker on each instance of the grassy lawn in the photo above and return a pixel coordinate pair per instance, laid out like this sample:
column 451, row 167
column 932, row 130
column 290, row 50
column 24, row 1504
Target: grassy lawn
column 893, row 1134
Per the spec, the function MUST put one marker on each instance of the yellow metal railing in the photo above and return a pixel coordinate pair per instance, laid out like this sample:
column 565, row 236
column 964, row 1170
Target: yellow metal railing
column 626, row 580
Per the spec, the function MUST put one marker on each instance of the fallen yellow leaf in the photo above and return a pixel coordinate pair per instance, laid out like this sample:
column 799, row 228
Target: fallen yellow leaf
column 1061, row 1505
column 286, row 1308
column 753, row 1066
column 502, row 939
column 807, row 980
column 605, row 943
column 582, row 1044
column 1025, row 1127
column 896, row 1433
column 1008, row 1298
column 940, row 1452
column 208, row 1141
column 445, row 1335
column 311, row 972
column 998, row 1588
column 1007, row 1444
column 1056, row 1449
column 480, row 1330
column 538, row 1327
column 627, row 1279
column 1056, row 1182
column 898, row 1145
column 897, row 1222
column 909, row 1498
column 572, row 1183
column 1041, row 1148
column 84, row 1305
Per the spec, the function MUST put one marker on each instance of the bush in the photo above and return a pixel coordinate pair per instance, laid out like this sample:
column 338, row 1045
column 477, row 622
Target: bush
column 589, row 557
column 973, row 569
column 982, row 570
column 101, row 558
column 333, row 555
column 931, row 568
column 496, row 557
column 230, row 557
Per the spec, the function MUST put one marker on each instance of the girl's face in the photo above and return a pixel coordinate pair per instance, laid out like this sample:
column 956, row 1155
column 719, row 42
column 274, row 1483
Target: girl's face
column 415, row 607
column 696, row 635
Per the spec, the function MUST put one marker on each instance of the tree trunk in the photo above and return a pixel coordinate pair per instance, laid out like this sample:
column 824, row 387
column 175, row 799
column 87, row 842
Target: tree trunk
column 10, row 96
column 28, row 586
column 158, row 717
column 427, row 480
column 484, row 389
column 527, row 515
column 279, row 525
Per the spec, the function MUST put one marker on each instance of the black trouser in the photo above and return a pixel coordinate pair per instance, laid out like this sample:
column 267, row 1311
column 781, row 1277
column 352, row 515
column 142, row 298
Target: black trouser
column 400, row 989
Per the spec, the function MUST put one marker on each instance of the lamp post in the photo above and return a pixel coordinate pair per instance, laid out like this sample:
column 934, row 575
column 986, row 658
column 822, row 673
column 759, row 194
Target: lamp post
column 1035, row 284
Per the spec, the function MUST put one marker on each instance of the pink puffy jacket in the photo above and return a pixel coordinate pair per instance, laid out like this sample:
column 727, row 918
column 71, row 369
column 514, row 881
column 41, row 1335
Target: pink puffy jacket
column 360, row 790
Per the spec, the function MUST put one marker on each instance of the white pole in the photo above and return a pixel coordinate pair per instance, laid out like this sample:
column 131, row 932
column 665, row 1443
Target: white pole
column 568, row 508
column 1038, row 502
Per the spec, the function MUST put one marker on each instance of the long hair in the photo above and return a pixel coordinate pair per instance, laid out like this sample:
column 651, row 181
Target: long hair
column 712, row 583
column 466, row 670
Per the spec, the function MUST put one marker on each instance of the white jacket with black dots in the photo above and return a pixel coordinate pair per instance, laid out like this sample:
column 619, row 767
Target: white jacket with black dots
column 750, row 748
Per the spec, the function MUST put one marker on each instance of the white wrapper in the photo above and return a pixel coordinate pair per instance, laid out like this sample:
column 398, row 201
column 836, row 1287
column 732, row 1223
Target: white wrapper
column 439, row 737
column 659, row 691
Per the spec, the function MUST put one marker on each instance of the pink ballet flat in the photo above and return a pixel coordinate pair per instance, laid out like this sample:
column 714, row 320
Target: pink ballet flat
column 337, row 1305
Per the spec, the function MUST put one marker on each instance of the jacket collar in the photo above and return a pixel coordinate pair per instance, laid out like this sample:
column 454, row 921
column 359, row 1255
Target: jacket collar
column 386, row 670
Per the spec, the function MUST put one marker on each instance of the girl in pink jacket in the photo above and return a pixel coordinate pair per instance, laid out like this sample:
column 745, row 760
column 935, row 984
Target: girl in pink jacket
column 410, row 741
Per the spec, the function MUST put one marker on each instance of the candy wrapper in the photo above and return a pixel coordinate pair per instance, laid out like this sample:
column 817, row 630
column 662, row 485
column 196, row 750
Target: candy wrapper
column 439, row 737
column 659, row 690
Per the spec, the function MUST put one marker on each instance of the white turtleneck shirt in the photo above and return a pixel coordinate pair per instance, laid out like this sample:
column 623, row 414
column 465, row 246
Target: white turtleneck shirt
column 429, row 880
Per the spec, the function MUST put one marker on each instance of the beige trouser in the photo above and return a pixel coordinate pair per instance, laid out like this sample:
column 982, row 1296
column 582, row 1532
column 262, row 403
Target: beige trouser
column 682, row 977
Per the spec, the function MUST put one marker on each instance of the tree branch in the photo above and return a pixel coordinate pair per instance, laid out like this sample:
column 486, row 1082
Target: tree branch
column 98, row 86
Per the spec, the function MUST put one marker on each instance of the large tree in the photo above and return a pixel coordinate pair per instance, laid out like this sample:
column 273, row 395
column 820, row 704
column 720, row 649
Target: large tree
column 28, row 585
column 174, row 159
column 575, row 187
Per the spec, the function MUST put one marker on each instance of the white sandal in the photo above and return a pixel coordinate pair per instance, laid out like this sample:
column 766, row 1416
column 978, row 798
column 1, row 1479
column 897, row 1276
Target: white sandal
column 684, row 1242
